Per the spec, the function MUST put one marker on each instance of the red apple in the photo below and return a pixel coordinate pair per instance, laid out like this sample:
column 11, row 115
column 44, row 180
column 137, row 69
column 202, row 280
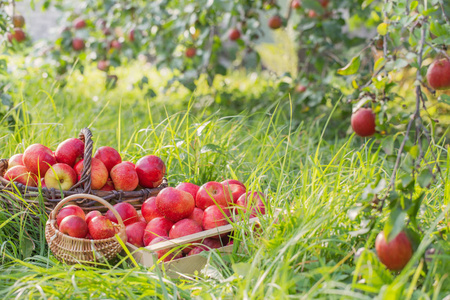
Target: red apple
column 197, row 216
column 99, row 173
column 21, row 175
column 38, row 159
column 149, row 210
column 74, row 226
column 312, row 14
column 296, row 4
column 130, row 163
column 174, row 255
column 17, row 34
column 109, row 185
column 106, row 31
column 92, row 214
column 234, row 34
column 101, row 228
column 275, row 22
column 70, row 151
column 79, row 23
column 215, row 216
column 438, row 74
column 395, row 254
column 151, row 170
column 324, row 3
column 162, row 223
column 212, row 193
column 209, row 244
column 109, row 156
column 253, row 201
column 77, row 44
column 184, row 227
column 103, row 65
column 189, row 188
column 363, row 122
column 190, row 52
column 18, row 21
column 152, row 233
column 175, row 204
column 126, row 211
column 124, row 177
column 234, row 189
column 300, row 88
column 135, row 233
column 116, row 44
column 131, row 35
column 69, row 210
column 60, row 176
column 15, row 160
column 196, row 250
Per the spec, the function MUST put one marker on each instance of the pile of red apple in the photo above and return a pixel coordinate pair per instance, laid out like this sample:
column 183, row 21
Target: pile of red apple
column 62, row 169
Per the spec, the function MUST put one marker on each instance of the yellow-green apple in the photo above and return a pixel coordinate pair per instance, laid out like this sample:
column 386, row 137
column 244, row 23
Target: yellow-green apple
column 21, row 175
column 234, row 189
column 363, row 122
column 15, row 160
column 79, row 23
column 252, row 201
column 17, row 34
column 99, row 173
column 174, row 255
column 395, row 254
column 124, row 177
column 101, row 228
column 109, row 156
column 92, row 214
column 135, row 233
column 438, row 74
column 126, row 211
column 190, row 52
column 60, row 176
column 18, row 21
column 109, row 185
column 149, row 210
column 275, row 22
column 151, row 170
column 197, row 215
column 78, row 44
column 188, row 187
column 70, row 151
column 215, row 216
column 174, row 204
column 212, row 193
column 38, row 159
column 234, row 34
column 69, row 210
column 74, row 226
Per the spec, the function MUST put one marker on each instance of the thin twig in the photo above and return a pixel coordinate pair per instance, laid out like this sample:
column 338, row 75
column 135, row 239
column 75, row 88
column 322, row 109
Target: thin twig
column 443, row 12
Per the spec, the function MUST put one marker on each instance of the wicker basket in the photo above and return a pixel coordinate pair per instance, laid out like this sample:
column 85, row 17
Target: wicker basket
column 72, row 250
column 18, row 197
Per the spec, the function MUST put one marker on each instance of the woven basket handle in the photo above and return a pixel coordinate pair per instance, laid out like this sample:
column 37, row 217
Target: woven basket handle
column 86, row 196
column 85, row 180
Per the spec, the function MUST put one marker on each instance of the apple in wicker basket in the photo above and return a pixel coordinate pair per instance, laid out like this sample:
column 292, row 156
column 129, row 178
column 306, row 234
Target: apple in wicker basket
column 101, row 228
column 69, row 210
column 99, row 173
column 38, row 159
column 109, row 156
column 60, row 176
column 151, row 170
column 21, row 175
column 74, row 226
column 126, row 211
column 92, row 214
column 109, row 185
column 15, row 160
column 124, row 177
column 70, row 152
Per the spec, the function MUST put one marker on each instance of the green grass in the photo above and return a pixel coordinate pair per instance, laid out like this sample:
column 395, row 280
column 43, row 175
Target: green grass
column 318, row 183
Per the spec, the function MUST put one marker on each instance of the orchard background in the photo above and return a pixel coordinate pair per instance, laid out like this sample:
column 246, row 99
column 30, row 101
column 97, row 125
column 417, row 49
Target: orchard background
column 261, row 91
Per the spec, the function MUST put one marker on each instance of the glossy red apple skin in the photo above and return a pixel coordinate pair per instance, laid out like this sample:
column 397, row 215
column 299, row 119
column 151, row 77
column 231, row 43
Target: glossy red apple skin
column 135, row 233
column 101, row 228
column 438, row 74
column 74, row 226
column 275, row 22
column 124, row 177
column 109, row 185
column 126, row 211
column 15, row 160
column 234, row 34
column 109, row 157
column 92, row 214
column 197, row 216
column 395, row 254
column 184, row 227
column 38, row 159
column 130, row 163
column 18, row 35
column 78, row 44
column 213, row 217
column 190, row 52
column 21, row 175
column 253, row 201
column 60, row 176
column 152, row 233
column 69, row 210
column 149, row 210
column 174, row 204
column 210, row 243
column 233, row 181
column 363, row 122
column 162, row 223
column 79, row 23
column 174, row 255
column 189, row 188
column 211, row 193
column 70, row 152
column 324, row 3
column 151, row 170
column 233, row 189
column 99, row 173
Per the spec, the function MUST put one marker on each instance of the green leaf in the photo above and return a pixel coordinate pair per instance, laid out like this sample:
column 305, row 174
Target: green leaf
column 414, row 208
column 394, row 224
column 413, row 5
column 352, row 67
column 425, row 178
column 444, row 98
column 366, row 3
column 379, row 63
column 414, row 151
column 382, row 29
column 313, row 5
column 437, row 29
